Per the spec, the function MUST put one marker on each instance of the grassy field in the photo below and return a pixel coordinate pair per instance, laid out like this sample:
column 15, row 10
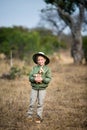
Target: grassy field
column 65, row 105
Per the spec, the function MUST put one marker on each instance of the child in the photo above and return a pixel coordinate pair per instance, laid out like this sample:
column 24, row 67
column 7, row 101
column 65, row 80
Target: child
column 39, row 77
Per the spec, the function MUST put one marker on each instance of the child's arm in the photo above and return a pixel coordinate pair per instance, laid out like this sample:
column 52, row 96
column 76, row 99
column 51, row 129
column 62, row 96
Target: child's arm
column 31, row 76
column 47, row 77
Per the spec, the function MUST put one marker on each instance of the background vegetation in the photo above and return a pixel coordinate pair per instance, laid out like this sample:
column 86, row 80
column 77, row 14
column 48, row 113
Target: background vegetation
column 23, row 41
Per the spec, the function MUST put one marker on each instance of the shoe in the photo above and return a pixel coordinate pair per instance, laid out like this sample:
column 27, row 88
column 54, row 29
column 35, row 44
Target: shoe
column 38, row 120
column 30, row 118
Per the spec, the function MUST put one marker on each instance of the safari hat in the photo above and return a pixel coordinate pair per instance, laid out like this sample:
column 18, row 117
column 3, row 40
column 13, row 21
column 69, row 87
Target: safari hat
column 40, row 54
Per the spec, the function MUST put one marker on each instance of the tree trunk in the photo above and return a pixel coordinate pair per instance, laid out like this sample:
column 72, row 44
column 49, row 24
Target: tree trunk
column 76, row 48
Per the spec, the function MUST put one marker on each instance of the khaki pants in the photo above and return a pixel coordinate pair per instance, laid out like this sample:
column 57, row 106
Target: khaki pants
column 39, row 96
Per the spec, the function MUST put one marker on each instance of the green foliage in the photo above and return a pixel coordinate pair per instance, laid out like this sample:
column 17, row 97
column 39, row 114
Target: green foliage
column 5, row 48
column 24, row 42
column 15, row 72
column 67, row 5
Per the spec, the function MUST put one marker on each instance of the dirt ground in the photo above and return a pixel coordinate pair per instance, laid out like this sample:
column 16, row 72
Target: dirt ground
column 65, row 106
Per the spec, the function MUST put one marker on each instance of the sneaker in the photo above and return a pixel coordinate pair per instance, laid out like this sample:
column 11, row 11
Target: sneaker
column 38, row 120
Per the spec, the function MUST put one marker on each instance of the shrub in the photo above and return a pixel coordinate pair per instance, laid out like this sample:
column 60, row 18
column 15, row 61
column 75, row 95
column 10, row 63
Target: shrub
column 14, row 72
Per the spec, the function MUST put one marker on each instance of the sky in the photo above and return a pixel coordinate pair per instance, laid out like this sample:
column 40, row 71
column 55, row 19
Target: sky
column 20, row 12
column 24, row 13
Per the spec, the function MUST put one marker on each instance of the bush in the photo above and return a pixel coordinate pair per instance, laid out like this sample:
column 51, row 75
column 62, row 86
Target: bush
column 15, row 72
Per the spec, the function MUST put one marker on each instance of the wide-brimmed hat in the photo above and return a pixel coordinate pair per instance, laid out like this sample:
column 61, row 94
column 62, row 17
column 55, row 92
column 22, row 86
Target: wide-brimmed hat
column 40, row 54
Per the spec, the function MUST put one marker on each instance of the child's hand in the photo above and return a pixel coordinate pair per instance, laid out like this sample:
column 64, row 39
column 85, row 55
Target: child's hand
column 38, row 79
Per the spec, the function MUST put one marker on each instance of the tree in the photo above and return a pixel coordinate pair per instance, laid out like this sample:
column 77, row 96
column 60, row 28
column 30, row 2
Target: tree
column 70, row 13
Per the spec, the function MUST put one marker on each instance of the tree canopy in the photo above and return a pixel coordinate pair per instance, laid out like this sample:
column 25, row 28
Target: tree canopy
column 71, row 13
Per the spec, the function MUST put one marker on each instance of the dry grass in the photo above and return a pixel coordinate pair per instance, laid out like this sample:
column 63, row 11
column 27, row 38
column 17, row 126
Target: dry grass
column 65, row 104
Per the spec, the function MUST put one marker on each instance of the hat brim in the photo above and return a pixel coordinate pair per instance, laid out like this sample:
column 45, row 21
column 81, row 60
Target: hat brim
column 37, row 54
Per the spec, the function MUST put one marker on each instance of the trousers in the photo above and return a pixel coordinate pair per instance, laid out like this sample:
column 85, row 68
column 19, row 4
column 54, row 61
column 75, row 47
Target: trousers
column 37, row 96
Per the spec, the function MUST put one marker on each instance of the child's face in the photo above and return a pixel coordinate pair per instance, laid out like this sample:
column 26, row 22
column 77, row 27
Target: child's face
column 41, row 60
